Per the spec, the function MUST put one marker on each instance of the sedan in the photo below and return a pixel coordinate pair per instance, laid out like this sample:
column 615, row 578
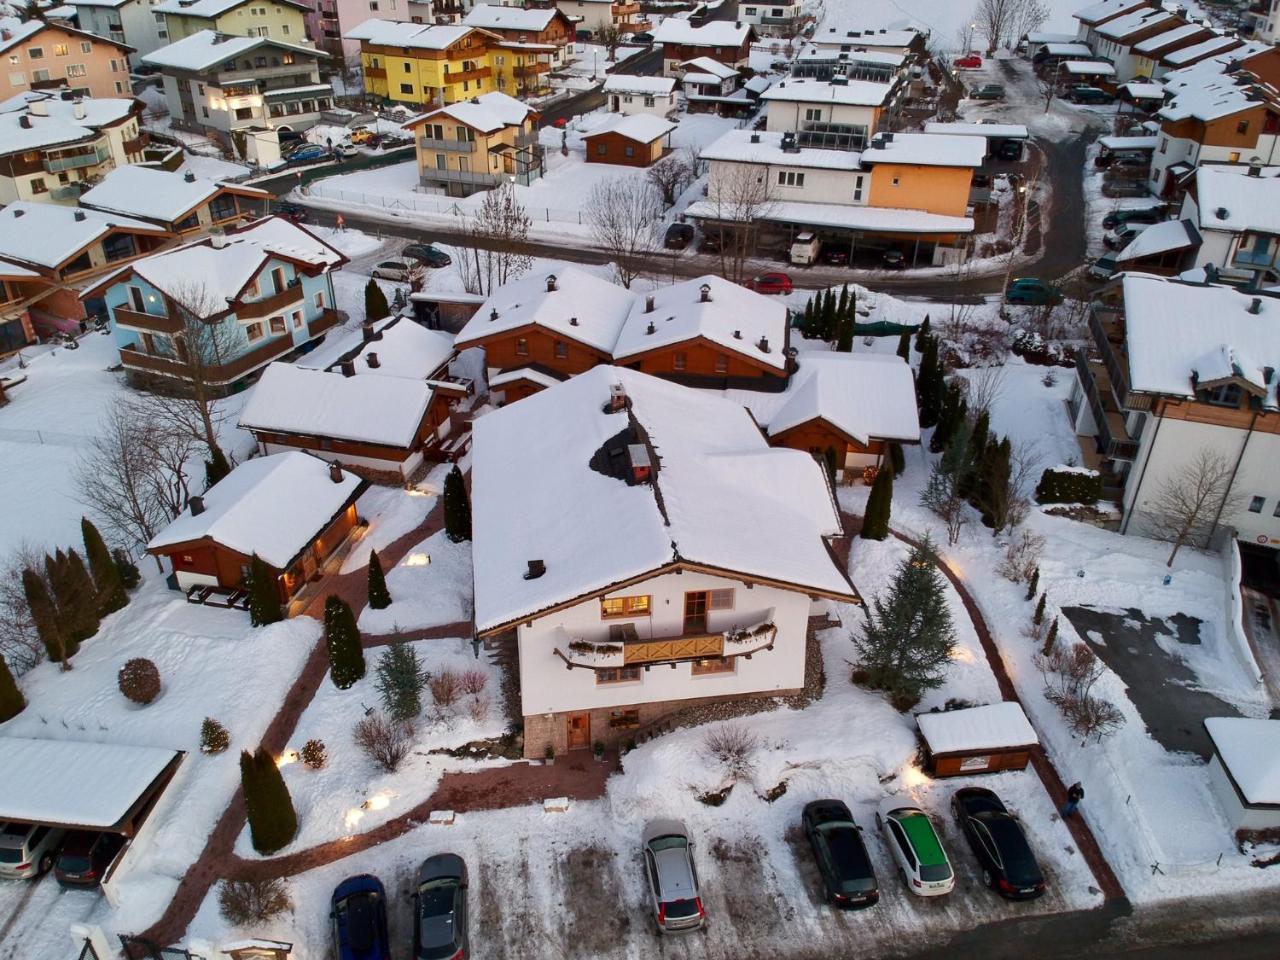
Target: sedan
column 770, row 283
column 848, row 879
column 1008, row 865
column 427, row 254
column 678, row 236
column 1136, row 215
column 673, row 879
column 915, row 846
column 393, row 270
column 440, row 909
column 894, row 260
column 359, row 914
column 292, row 212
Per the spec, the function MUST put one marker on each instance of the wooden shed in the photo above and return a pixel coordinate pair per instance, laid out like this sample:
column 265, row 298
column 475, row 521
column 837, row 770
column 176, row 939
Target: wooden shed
column 985, row 739
column 634, row 140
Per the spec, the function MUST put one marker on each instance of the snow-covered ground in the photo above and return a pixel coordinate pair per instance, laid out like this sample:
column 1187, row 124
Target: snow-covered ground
column 430, row 587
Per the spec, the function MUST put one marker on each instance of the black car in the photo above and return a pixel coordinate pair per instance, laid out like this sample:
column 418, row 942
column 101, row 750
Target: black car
column 848, row 879
column 645, row 38
column 996, row 838
column 359, row 914
column 837, row 257
column 894, row 260
column 426, row 253
column 710, row 244
column 1009, row 150
column 290, row 211
column 440, row 909
column 678, row 236
column 1136, row 215
column 85, row 856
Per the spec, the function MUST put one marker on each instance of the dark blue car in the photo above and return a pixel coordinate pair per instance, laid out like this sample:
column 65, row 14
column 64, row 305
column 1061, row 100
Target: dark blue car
column 359, row 915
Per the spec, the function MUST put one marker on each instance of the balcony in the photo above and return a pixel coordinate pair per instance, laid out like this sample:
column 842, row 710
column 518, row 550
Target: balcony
column 532, row 70
column 70, row 191
column 432, row 178
column 140, row 362
column 1113, row 436
column 1108, row 336
column 1249, row 257
column 688, row 646
column 379, row 73
column 624, row 9
column 76, row 161
column 287, row 298
column 137, row 143
column 480, row 73
column 328, row 319
column 447, row 146
column 153, row 323
column 635, row 26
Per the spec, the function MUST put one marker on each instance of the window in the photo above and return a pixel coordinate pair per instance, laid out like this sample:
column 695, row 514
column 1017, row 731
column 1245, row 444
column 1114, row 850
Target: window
column 38, row 76
column 318, row 299
column 1233, row 156
column 813, row 113
column 722, row 363
column 750, row 11
column 277, row 325
column 648, row 101
column 1226, row 395
column 1242, row 126
column 284, row 29
column 244, row 113
column 87, row 47
column 297, row 319
column 119, row 246
column 790, row 178
column 680, row 361
column 61, row 50
column 624, row 719
column 1256, row 504
column 1164, row 144
column 254, row 332
column 119, row 86
column 75, row 70
column 562, row 350
column 37, row 185
column 625, row 607
column 408, row 67
column 721, row 599
column 35, row 53
column 895, row 182
column 601, row 149
column 204, row 112
column 1276, row 511
column 629, row 150
column 857, row 189
column 407, row 88
column 700, row 668
column 522, row 347
column 618, row 675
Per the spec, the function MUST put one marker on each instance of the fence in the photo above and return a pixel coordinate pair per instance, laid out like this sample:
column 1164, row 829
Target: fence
column 429, row 203
column 49, row 438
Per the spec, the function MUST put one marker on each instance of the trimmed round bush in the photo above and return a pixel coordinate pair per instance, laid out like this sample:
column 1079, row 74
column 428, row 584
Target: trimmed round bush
column 139, row 680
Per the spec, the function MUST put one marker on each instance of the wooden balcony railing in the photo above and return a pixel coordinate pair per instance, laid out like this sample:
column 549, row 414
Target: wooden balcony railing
column 137, row 143
column 328, row 319
column 624, row 9
column 1108, row 336
column 480, row 73
column 532, row 69
column 276, row 303
column 155, row 323
column 685, row 647
column 379, row 72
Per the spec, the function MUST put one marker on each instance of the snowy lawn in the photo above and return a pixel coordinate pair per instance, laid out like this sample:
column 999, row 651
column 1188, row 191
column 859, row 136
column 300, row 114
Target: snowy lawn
column 392, row 512
column 431, row 586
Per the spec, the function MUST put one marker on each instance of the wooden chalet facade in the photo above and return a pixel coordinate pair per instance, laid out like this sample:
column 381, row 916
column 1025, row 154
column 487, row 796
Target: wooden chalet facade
column 699, row 362
column 629, row 141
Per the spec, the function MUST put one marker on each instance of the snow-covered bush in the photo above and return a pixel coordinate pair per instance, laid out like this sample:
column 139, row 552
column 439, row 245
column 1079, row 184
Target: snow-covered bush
column 384, row 741
column 734, row 745
column 139, row 680
column 445, row 689
column 1021, row 557
column 1069, row 485
column 248, row 902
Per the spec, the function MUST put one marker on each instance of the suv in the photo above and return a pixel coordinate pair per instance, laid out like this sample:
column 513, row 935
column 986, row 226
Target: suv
column 1032, row 291
column 85, row 857
column 914, row 843
column 673, row 880
column 678, row 236
column 1136, row 215
column 988, row 91
column 27, row 850
column 440, row 909
column 848, row 879
column 1089, row 95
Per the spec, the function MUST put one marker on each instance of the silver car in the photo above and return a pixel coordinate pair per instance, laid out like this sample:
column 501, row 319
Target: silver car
column 393, row 270
column 27, row 850
column 673, row 879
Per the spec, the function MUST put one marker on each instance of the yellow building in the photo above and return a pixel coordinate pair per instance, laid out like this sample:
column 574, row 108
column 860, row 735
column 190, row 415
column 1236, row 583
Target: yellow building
column 277, row 19
column 415, row 63
column 475, row 145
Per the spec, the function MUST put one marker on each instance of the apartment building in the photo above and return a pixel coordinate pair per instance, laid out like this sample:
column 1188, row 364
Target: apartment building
column 136, row 23
column 426, row 65
column 329, row 22
column 50, row 55
column 840, row 113
column 477, row 144
column 533, row 43
column 278, row 19
column 593, row 16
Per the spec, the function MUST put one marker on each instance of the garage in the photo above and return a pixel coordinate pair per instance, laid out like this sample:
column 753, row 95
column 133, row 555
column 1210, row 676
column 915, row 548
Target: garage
column 986, row 739
column 1244, row 772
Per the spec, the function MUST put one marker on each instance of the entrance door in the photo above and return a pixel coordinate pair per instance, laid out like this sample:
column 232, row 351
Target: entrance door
column 695, row 612
column 579, row 731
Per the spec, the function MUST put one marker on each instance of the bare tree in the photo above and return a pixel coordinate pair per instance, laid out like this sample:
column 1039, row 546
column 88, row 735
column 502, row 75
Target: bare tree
column 610, row 36
column 623, row 214
column 942, row 496
column 1008, row 20
column 384, row 741
column 1070, row 673
column 740, row 197
column 497, row 237
column 669, row 176
column 19, row 643
column 693, row 160
column 986, row 384
column 1190, row 501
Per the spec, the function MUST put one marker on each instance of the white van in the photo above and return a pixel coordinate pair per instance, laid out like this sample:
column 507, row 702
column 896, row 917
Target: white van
column 805, row 248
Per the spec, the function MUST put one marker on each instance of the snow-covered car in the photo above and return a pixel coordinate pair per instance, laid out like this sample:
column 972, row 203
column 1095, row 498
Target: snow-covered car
column 392, row 270
column 915, row 847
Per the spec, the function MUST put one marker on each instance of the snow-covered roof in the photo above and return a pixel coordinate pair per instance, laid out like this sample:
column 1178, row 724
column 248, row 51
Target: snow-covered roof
column 54, row 120
column 1043, row 36
column 628, row 83
column 205, row 49
column 641, row 127
column 884, row 58
column 1143, row 91
column 11, row 271
column 1107, row 8
column 1131, row 23
column 1232, row 200
column 1169, row 37
column 856, row 93
column 1168, row 342
column 1129, row 143
column 404, row 349
column 1220, row 63
column 995, row 726
column 758, row 84
column 150, row 193
column 716, row 33
column 864, row 395
column 18, row 31
column 764, row 146
column 544, row 378
column 582, row 307
column 1250, row 751
column 925, row 150
column 273, row 506
column 1199, row 51
column 1161, row 237
column 719, row 497
column 48, row 234
column 731, row 317
column 1068, row 50
column 998, row 131
column 368, row 409
column 715, row 68
column 486, row 113
column 414, row 36
column 492, row 17
column 1209, row 98
column 73, row 783
column 210, row 9
column 846, row 216
column 1090, row 68
column 860, row 38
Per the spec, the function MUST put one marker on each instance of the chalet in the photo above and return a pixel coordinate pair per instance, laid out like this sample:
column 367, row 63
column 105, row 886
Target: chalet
column 708, row 332
column 1264, row 14
column 629, row 140
column 182, row 203
column 133, row 22
column 51, row 148
column 1147, row 54
column 553, row 327
column 1214, row 46
column 1160, row 386
column 532, row 43
column 723, row 41
column 49, row 55
column 1102, row 12
column 19, row 288
column 463, row 148
column 1115, row 40
column 842, row 113
column 418, row 64
column 1237, row 211
column 225, row 305
column 680, row 575
column 628, row 94
column 380, row 411
column 291, row 510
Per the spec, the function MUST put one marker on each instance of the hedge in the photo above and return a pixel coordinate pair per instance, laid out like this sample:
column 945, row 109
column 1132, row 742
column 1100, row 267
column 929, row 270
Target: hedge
column 1069, row 485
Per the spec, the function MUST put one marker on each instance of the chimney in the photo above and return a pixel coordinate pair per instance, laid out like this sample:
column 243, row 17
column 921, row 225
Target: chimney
column 650, row 329
column 1255, row 167
column 763, row 344
column 755, row 138
column 6, row 34
column 19, row 213
column 737, row 334
column 217, row 240
column 704, row 293
column 79, row 108
column 551, row 283
column 24, row 122
column 373, row 361
column 38, row 107
column 573, row 321
column 1255, row 306
column 348, row 368
column 197, row 505
column 536, row 569
column 366, row 331
column 335, row 472
column 493, row 314
column 79, row 216
column 648, row 303
column 641, row 468
column 189, row 176
column 617, row 397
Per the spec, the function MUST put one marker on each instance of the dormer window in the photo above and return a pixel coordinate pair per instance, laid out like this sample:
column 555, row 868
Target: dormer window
column 1223, row 395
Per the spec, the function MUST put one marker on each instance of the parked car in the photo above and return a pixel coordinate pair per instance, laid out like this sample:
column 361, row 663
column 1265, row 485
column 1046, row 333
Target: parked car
column 393, row 270
column 393, row 143
column 848, row 879
column 1129, row 187
column 1104, row 268
column 673, row 879
column 346, row 149
column 710, row 243
column 426, row 253
column 440, row 909
column 1135, row 215
column 770, row 283
column 1009, row 151
column 645, row 38
column 915, row 847
column 307, row 153
column 678, row 236
column 836, row 256
column 981, row 180
column 27, row 850
column 893, row 260
column 970, row 62
column 988, row 91
column 1123, row 235
column 361, row 135
column 1089, row 95
column 358, row 910
column 1032, row 291
column 290, row 211
column 805, row 248
column 996, row 838
column 85, row 856
column 560, row 122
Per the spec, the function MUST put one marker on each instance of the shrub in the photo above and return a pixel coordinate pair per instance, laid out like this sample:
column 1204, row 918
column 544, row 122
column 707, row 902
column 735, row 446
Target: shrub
column 139, row 680
column 12, row 701
column 264, row 596
column 446, row 687
column 379, row 595
column 1021, row 557
column 384, row 741
column 1069, row 485
column 130, row 576
column 342, row 640
column 473, row 682
column 249, row 902
column 313, row 754
column 273, row 822
column 735, row 746
column 214, row 737
column 400, row 678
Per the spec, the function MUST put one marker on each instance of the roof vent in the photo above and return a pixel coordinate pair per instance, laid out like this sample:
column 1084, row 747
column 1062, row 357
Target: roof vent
column 335, row 471
column 189, row 176
column 573, row 321
column 650, row 329
column 475, row 100
column 789, row 144
column 366, row 331
column 649, row 300
column 641, row 466
column 536, row 569
column 79, row 216
column 551, row 282
column 704, row 293
column 763, row 344
column 373, row 361
column 78, row 109
column 24, row 122
column 1222, row 213
column 348, row 368
column 39, row 107
column 19, row 212
column 1255, row 306
column 197, row 505
column 755, row 138
column 617, row 397
column 737, row 334
column 493, row 314
column 1255, row 167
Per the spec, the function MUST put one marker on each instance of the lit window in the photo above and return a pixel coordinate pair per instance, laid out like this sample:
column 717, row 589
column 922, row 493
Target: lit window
column 624, row 607
column 522, row 347
column 61, row 50
column 713, row 665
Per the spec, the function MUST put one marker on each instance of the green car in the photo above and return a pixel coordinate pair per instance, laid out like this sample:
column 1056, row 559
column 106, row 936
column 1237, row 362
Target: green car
column 1033, row 292
column 923, row 864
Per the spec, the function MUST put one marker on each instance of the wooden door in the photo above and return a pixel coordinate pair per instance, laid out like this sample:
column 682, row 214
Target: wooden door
column 579, row 731
column 695, row 612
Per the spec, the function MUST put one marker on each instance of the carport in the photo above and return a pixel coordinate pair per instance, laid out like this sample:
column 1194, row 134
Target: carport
column 997, row 134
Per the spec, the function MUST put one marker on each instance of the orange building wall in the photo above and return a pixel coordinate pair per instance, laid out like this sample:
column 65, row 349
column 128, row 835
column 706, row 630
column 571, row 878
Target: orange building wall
column 700, row 361
column 941, row 190
column 818, row 435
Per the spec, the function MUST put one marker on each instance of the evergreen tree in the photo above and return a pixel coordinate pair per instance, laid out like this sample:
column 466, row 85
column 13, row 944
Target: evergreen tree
column 806, row 324
column 379, row 596
column 1033, row 584
column 922, row 334
column 216, row 467
column 830, row 459
column 106, row 574
column 273, row 823
column 844, row 335
column 897, row 458
column 129, row 575
column 400, row 679
column 991, row 496
column 976, row 449
column 457, row 508
column 1051, row 638
column 12, row 702
column 264, row 596
column 342, row 637
column 908, row 639
column 927, row 383
column 829, row 327
column 375, row 302
column 955, row 458
column 875, row 523
column 904, row 346
column 74, row 596
column 842, row 304
column 44, row 614
column 952, row 413
column 1038, row 617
